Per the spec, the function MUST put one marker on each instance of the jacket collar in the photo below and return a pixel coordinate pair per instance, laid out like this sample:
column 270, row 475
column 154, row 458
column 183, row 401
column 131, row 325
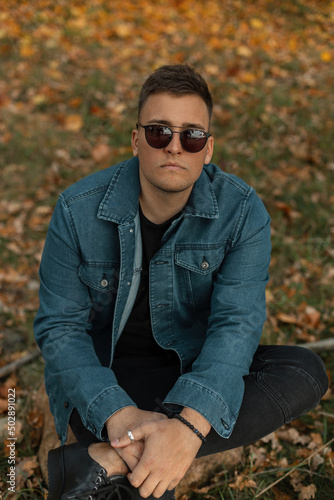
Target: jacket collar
column 120, row 203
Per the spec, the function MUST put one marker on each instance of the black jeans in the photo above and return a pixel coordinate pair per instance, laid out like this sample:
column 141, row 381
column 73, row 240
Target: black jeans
column 284, row 382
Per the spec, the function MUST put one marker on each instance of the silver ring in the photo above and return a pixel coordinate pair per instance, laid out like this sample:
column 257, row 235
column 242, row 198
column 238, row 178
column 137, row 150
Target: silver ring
column 132, row 439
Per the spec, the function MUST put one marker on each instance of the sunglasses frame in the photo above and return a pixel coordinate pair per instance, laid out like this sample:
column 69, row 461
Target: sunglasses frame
column 207, row 134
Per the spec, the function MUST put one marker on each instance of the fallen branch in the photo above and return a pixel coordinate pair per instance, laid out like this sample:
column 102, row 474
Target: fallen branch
column 295, row 467
column 14, row 365
column 325, row 414
column 320, row 345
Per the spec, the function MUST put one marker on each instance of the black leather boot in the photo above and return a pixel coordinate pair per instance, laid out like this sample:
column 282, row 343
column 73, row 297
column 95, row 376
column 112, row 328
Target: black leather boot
column 74, row 475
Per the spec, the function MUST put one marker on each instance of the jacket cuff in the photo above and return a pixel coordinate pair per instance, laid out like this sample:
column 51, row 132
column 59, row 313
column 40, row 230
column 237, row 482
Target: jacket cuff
column 105, row 404
column 210, row 405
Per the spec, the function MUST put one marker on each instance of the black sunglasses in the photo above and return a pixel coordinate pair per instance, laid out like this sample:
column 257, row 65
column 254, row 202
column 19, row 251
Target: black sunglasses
column 159, row 136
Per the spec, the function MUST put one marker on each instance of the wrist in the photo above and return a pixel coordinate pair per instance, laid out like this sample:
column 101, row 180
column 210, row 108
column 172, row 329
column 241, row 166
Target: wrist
column 115, row 423
column 196, row 420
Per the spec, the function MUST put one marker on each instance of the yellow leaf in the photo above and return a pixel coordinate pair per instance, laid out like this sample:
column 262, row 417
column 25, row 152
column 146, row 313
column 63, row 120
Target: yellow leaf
column 256, row 23
column 247, row 77
column 78, row 23
column 73, row 123
column 244, row 51
column 39, row 99
column 54, row 74
column 212, row 69
column 26, row 49
column 123, row 30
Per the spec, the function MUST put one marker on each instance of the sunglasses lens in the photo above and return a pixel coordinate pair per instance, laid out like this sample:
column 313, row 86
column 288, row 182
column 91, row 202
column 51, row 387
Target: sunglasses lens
column 193, row 140
column 158, row 137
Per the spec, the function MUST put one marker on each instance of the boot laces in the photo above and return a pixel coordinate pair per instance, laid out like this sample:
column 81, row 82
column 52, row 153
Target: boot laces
column 111, row 491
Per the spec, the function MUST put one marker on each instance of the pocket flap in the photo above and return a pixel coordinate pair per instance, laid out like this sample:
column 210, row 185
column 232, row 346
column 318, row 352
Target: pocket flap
column 203, row 260
column 102, row 276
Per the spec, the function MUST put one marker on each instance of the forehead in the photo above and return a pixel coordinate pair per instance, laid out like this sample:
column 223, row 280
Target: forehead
column 178, row 110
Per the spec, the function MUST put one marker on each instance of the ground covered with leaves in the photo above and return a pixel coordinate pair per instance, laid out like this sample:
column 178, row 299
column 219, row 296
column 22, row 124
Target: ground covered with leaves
column 70, row 72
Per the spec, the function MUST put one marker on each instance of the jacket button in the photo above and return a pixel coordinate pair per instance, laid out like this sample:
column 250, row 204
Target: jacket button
column 205, row 265
column 224, row 424
column 66, row 404
column 104, row 283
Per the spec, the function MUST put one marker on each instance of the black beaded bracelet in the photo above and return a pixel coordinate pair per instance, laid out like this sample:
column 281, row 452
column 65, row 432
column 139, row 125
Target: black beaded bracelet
column 171, row 414
column 188, row 424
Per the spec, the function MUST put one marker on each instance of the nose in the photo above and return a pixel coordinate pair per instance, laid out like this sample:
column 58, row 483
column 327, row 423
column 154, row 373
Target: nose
column 175, row 146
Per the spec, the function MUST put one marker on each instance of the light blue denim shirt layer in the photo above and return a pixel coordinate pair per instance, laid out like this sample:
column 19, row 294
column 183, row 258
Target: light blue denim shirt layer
column 207, row 294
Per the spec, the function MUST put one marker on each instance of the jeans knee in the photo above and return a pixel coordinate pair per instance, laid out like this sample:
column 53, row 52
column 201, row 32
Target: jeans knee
column 315, row 367
column 310, row 384
column 295, row 378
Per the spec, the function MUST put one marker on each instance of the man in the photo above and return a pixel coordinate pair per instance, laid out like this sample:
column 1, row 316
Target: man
column 152, row 304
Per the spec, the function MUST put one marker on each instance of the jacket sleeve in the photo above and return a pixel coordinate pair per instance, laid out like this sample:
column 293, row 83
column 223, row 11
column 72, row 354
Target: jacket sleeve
column 214, row 387
column 74, row 376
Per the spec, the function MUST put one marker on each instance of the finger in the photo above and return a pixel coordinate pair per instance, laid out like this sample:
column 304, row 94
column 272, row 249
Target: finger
column 139, row 433
column 130, row 460
column 125, row 439
column 173, row 484
column 137, row 478
column 131, row 454
column 148, row 486
column 160, row 489
column 121, row 442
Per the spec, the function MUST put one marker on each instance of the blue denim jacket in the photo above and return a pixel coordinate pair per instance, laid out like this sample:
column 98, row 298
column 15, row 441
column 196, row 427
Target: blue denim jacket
column 207, row 294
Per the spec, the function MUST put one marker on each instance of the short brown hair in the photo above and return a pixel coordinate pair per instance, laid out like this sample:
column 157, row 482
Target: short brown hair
column 177, row 79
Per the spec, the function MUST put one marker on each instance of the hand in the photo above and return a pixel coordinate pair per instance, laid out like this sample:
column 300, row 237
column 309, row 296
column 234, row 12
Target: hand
column 127, row 419
column 169, row 449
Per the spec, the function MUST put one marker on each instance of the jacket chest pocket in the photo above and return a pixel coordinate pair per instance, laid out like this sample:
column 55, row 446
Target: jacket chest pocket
column 102, row 279
column 198, row 265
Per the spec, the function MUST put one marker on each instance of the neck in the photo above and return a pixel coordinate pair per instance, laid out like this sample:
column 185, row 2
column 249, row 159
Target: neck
column 162, row 206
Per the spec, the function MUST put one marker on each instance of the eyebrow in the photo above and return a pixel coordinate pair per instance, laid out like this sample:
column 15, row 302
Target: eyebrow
column 169, row 124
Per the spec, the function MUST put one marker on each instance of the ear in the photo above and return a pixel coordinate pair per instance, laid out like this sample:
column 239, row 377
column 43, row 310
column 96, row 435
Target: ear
column 134, row 142
column 209, row 150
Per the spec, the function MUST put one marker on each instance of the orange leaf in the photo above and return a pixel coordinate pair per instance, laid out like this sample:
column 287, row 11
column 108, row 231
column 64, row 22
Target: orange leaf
column 25, row 468
column 3, row 405
column 101, row 152
column 312, row 316
column 326, row 56
column 284, row 207
column 287, row 318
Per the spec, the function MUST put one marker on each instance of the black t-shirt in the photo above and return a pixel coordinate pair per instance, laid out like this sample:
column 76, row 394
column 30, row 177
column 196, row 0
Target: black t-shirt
column 143, row 369
column 137, row 338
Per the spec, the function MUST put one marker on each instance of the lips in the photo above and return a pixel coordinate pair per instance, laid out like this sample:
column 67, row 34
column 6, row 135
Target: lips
column 172, row 166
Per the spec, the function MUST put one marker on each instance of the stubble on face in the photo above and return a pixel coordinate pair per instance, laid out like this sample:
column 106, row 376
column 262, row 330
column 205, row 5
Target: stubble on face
column 171, row 170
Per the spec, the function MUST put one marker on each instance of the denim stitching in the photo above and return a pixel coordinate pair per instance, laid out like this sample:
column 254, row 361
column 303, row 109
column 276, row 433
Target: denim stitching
column 281, row 401
column 260, row 380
